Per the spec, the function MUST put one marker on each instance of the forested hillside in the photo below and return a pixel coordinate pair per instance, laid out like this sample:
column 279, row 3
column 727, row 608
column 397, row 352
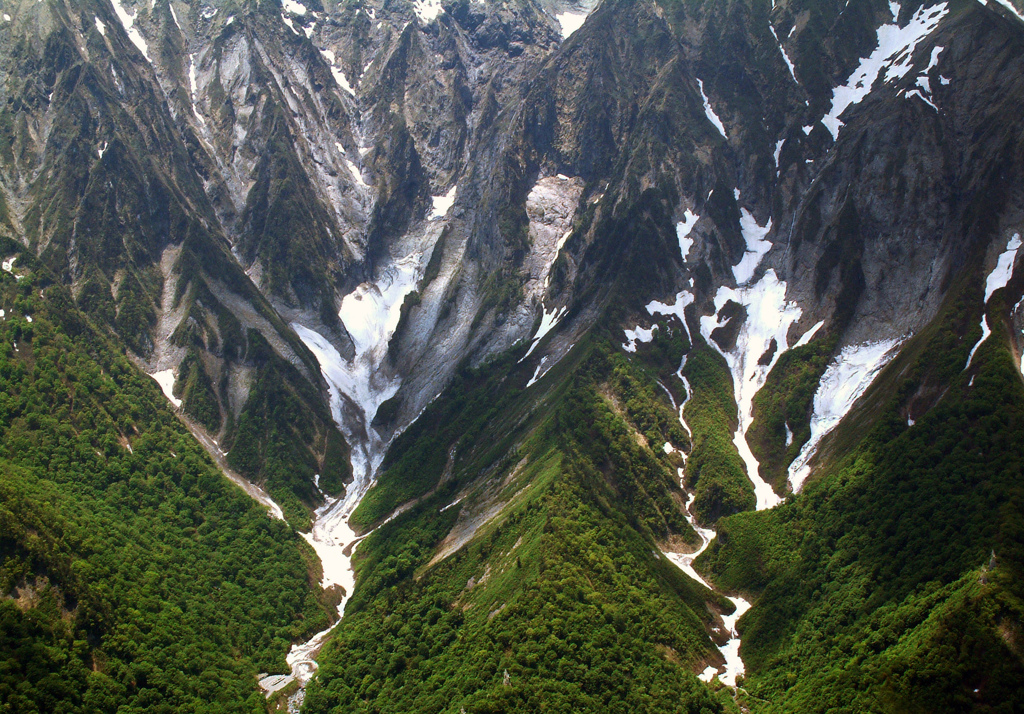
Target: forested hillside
column 139, row 578
column 478, row 356
column 566, row 590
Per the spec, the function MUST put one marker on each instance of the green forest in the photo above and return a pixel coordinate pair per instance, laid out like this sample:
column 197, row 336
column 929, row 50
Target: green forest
column 136, row 578
column 566, row 591
column 895, row 580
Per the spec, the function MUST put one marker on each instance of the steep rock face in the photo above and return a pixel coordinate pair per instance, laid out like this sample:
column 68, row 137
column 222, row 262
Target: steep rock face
column 106, row 193
column 863, row 222
column 814, row 145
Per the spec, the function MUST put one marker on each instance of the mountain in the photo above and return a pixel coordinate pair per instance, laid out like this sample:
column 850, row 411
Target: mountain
column 646, row 355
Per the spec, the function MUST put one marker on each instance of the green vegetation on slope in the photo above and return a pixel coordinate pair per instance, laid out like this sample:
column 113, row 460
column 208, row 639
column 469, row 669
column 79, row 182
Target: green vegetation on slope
column 564, row 589
column 133, row 576
column 714, row 470
column 893, row 582
column 786, row 401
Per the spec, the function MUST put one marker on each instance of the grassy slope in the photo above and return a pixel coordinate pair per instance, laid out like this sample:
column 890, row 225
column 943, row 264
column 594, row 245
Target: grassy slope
column 141, row 579
column 564, row 590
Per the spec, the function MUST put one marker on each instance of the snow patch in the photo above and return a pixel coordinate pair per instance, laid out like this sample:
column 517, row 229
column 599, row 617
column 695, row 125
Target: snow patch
column 537, row 374
column 710, row 113
column 427, row 10
column 334, row 542
column 291, row 26
column 8, row 265
column 845, row 380
column 339, row 76
column 638, row 334
column 645, row 335
column 678, row 308
column 193, row 84
column 356, row 173
column 996, row 280
column 295, row 8
column 547, row 323
column 102, row 149
column 443, row 204
column 569, row 22
column 916, row 93
column 893, row 52
column 809, row 335
column 1003, row 271
column 769, row 317
column 683, row 229
column 684, row 561
column 357, row 388
column 757, row 246
column 731, row 649
column 785, row 57
column 165, row 379
column 101, row 27
column 1009, row 6
column 129, row 26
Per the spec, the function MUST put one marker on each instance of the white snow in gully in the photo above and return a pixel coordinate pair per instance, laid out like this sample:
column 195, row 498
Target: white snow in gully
column 893, row 53
column 165, row 378
column 547, row 323
column 733, row 666
column 427, row 10
column 443, row 204
column 295, row 8
column 785, row 57
column 683, row 230
column 710, row 113
column 338, row 75
column 768, row 319
column 757, row 246
column 844, row 381
column 129, row 26
column 638, row 334
column 996, row 280
column 357, row 388
column 570, row 22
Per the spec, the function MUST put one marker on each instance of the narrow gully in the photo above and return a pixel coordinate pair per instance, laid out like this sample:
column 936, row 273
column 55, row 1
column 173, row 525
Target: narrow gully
column 733, row 666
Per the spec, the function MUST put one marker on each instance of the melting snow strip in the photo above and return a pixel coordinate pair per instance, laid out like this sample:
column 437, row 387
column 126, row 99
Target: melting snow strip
column 165, row 379
column 789, row 62
column 129, row 26
column 547, row 323
column 996, row 280
column 338, row 75
column 843, row 383
column 443, row 204
column 768, row 319
column 683, row 230
column 427, row 10
column 893, row 52
column 569, row 22
column 710, row 113
column 757, row 246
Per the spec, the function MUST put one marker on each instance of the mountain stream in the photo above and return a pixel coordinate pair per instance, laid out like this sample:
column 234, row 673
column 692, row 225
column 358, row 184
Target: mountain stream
column 357, row 389
column 733, row 666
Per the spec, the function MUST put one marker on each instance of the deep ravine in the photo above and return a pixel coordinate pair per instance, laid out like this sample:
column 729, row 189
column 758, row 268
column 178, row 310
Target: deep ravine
column 358, row 387
column 733, row 666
